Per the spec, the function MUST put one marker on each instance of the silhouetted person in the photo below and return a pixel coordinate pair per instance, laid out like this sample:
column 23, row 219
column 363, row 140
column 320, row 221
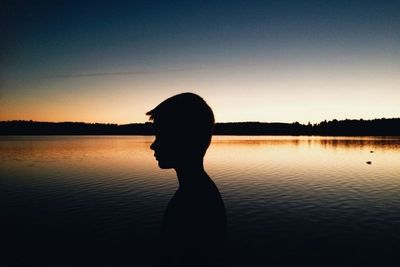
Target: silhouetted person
column 194, row 223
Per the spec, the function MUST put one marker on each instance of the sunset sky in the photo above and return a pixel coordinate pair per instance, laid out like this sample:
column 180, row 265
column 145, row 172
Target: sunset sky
column 272, row 61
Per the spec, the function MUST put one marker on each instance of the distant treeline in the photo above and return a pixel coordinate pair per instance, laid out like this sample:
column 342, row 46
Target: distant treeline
column 333, row 127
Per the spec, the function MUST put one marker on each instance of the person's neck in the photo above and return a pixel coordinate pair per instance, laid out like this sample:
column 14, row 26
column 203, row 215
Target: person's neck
column 191, row 174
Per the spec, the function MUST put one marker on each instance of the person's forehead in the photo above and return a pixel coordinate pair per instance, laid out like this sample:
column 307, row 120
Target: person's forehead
column 166, row 128
column 166, row 123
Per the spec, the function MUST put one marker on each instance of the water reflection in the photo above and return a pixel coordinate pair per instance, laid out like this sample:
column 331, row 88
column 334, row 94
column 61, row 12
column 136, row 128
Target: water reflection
column 326, row 142
column 313, row 201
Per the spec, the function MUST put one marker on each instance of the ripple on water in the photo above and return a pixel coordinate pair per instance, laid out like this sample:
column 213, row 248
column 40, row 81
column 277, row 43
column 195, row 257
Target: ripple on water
column 309, row 200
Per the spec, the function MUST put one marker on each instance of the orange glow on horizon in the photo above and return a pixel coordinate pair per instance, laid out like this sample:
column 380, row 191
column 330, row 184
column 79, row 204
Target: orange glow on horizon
column 238, row 94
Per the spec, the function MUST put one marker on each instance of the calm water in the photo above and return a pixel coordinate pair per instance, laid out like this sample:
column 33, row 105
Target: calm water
column 98, row 200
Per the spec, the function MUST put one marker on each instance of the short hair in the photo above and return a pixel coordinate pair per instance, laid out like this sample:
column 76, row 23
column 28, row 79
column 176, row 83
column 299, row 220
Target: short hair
column 186, row 113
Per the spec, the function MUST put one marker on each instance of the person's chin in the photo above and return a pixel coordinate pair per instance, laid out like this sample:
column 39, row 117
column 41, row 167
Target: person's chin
column 164, row 165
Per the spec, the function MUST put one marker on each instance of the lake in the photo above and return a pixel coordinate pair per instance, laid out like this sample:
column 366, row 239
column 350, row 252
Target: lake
column 290, row 200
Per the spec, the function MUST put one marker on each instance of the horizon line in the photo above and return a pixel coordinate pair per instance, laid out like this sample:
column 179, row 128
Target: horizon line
column 120, row 124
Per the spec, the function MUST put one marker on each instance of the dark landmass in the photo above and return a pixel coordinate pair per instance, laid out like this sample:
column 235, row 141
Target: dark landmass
column 346, row 127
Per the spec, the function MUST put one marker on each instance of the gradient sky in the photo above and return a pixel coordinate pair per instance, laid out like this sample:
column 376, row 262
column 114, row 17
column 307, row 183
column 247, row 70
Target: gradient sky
column 273, row 61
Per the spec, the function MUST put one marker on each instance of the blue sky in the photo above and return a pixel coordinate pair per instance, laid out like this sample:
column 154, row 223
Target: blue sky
column 252, row 60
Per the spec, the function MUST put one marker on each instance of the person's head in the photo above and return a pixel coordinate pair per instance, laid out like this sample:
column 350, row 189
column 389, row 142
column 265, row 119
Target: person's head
column 183, row 128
